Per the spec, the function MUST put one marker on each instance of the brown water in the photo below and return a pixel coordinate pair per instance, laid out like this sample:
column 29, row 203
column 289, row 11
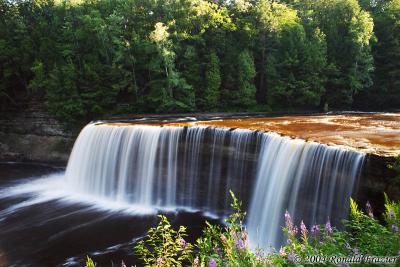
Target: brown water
column 376, row 133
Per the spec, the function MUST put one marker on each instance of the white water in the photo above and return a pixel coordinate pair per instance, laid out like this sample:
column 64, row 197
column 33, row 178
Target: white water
column 313, row 182
column 194, row 168
column 165, row 167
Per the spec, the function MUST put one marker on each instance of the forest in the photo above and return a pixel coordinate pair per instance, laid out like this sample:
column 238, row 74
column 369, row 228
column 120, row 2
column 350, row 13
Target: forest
column 90, row 58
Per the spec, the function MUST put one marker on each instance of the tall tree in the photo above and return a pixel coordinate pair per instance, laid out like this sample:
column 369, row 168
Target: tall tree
column 213, row 82
column 246, row 90
column 349, row 31
column 386, row 51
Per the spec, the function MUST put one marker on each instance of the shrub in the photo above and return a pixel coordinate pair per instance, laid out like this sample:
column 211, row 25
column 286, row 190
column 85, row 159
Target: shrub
column 164, row 246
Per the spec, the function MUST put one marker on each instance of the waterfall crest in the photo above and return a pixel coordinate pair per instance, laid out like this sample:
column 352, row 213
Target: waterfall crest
column 195, row 167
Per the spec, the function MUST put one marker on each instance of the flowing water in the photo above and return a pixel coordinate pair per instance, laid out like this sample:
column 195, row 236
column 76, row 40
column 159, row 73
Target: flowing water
column 313, row 182
column 128, row 173
column 163, row 167
column 43, row 223
column 194, row 168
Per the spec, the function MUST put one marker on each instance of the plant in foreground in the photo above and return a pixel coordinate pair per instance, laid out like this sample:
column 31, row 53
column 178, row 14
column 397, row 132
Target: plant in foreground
column 164, row 246
column 90, row 262
column 229, row 245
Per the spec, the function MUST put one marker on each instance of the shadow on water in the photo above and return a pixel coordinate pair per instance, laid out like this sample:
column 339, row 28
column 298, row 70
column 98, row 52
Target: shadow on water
column 38, row 228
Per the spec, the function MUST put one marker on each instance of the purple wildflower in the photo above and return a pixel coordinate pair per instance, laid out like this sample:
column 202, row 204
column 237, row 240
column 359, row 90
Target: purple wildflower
column 328, row 227
column 223, row 238
column 314, row 230
column 259, row 254
column 240, row 240
column 183, row 243
column 291, row 257
column 239, row 244
column 159, row 261
column 395, row 228
column 355, row 251
column 245, row 238
column 288, row 219
column 196, row 262
column 295, row 230
column 292, row 229
column 212, row 263
column 347, row 246
column 282, row 252
column 368, row 207
column 303, row 229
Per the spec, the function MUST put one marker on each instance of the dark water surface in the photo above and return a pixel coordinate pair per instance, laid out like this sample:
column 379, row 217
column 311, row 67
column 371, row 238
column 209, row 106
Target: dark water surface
column 44, row 223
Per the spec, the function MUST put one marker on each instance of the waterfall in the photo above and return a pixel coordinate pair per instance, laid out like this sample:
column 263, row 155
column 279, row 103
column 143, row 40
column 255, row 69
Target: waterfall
column 313, row 182
column 195, row 167
column 166, row 167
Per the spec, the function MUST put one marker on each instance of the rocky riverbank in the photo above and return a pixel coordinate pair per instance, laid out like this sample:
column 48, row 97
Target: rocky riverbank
column 35, row 136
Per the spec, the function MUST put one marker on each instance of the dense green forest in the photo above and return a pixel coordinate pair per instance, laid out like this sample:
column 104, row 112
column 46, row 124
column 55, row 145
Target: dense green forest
column 92, row 58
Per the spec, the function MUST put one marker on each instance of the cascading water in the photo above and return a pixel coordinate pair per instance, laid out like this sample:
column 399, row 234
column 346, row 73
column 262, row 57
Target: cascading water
column 163, row 166
column 195, row 167
column 313, row 182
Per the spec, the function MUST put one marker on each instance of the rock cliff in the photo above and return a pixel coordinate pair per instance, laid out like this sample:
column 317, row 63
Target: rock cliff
column 34, row 135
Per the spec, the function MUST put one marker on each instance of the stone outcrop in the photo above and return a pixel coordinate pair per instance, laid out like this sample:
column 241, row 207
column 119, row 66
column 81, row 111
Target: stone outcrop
column 376, row 179
column 34, row 135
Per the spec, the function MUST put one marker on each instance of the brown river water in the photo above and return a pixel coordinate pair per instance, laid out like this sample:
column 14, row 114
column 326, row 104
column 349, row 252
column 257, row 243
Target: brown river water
column 375, row 133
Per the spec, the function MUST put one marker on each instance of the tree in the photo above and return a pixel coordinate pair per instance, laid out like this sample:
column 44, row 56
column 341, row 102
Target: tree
column 91, row 59
column 291, row 58
column 213, row 82
column 386, row 51
column 349, row 31
column 15, row 55
column 246, row 90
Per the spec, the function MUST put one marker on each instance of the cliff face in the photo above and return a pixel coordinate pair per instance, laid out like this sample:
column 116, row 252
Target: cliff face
column 376, row 179
column 34, row 135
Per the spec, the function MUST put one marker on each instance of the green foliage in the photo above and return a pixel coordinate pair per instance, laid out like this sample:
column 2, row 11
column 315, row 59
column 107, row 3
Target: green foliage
column 90, row 262
column 164, row 246
column 369, row 235
column 386, row 52
column 294, row 53
column 392, row 212
column 213, row 82
column 363, row 235
column 244, row 96
column 89, row 59
column 229, row 245
column 349, row 31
